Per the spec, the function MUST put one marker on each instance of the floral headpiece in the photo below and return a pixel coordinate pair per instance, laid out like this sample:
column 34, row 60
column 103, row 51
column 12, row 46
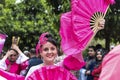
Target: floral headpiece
column 42, row 40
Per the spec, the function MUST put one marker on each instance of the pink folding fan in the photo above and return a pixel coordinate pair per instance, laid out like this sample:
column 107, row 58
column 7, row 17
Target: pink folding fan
column 51, row 73
column 80, row 25
column 2, row 40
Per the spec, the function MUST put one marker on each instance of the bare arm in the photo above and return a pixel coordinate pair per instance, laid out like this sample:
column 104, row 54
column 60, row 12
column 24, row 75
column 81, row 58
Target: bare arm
column 2, row 62
column 22, row 58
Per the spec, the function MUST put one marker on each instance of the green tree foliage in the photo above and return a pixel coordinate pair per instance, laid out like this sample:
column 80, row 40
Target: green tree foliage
column 30, row 18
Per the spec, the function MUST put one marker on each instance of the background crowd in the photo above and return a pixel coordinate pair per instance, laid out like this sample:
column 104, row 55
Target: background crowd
column 20, row 62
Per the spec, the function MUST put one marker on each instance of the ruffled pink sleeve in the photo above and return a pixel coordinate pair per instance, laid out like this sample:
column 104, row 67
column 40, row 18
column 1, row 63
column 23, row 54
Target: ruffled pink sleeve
column 11, row 76
column 24, row 65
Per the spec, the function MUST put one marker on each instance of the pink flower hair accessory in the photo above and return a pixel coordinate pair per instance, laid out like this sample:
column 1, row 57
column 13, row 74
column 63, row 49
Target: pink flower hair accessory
column 42, row 40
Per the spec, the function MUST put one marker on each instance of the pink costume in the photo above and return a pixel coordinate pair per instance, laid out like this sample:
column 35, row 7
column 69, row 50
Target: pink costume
column 10, row 76
column 2, row 40
column 14, row 71
column 111, row 65
column 16, row 68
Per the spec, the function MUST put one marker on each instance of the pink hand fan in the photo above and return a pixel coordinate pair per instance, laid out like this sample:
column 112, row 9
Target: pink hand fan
column 88, row 13
column 69, row 48
column 80, row 25
column 51, row 73
column 2, row 40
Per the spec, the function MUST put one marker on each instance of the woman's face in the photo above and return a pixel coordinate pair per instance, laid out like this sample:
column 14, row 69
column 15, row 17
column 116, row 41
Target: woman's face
column 99, row 56
column 48, row 52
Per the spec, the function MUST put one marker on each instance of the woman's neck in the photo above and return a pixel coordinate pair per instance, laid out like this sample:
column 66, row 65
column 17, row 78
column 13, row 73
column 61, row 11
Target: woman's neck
column 48, row 63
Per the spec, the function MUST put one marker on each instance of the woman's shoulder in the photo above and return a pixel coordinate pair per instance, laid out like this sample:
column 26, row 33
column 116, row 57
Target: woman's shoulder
column 35, row 67
column 32, row 69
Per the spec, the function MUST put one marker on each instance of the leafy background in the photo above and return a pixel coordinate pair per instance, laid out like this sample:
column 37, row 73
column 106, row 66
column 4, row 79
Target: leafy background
column 29, row 18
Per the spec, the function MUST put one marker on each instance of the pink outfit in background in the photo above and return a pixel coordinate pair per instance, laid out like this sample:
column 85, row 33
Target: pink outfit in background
column 16, row 68
column 11, row 76
column 14, row 71
column 111, row 65
column 11, row 72
column 2, row 41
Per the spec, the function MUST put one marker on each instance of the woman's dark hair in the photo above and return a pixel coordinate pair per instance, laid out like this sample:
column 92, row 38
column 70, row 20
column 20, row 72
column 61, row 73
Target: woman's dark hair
column 98, row 62
column 51, row 39
column 101, row 51
column 98, row 46
column 14, row 50
column 44, row 37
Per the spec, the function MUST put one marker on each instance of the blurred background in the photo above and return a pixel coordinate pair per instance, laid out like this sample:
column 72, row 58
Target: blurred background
column 29, row 18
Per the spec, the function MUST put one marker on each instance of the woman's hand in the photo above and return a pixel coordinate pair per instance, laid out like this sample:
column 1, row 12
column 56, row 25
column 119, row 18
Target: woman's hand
column 87, row 72
column 101, row 24
column 8, row 53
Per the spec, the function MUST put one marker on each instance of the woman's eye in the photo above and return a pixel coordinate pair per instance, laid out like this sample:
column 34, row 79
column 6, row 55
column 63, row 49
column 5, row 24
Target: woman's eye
column 46, row 49
column 52, row 48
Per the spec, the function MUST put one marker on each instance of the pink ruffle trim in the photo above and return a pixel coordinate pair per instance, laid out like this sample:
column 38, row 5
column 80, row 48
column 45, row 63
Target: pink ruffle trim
column 51, row 73
column 10, row 76
column 71, row 63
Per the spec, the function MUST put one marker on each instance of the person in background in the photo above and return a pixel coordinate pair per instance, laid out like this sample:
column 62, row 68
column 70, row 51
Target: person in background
column 85, row 72
column 27, row 53
column 98, row 66
column 90, row 62
column 33, row 61
column 14, row 61
column 98, row 46
column 60, row 58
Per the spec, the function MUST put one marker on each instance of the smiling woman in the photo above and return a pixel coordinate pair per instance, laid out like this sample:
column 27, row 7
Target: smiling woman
column 49, row 53
column 48, row 50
